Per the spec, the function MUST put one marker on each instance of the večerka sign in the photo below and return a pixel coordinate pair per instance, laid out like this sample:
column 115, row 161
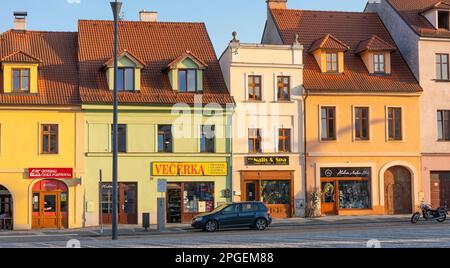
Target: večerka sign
column 345, row 172
column 267, row 160
column 50, row 173
column 190, row 169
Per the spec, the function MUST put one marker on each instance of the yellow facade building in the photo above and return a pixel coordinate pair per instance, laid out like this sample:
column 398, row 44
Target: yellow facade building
column 41, row 157
column 362, row 111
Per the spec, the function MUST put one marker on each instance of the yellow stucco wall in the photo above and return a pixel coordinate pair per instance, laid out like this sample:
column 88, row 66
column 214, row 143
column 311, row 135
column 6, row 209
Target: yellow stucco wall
column 20, row 149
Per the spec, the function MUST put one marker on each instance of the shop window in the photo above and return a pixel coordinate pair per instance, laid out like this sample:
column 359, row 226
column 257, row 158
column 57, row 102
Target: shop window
column 21, row 80
column 207, row 139
column 443, row 118
column 35, row 202
column 254, row 87
column 254, row 140
column 187, row 79
column 328, row 121
column 442, row 70
column 165, row 141
column 198, row 197
column 284, row 88
column 49, row 139
column 121, row 137
column 276, row 192
column 106, row 202
column 284, row 140
column 362, row 123
column 354, row 194
column 63, row 201
column 332, row 62
column 395, row 123
column 125, row 81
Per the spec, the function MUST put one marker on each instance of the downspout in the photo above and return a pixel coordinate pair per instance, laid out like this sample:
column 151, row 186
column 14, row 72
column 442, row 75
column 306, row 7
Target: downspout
column 305, row 151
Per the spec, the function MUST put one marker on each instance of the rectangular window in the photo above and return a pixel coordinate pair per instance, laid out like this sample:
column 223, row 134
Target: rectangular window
column 49, row 139
column 379, row 63
column 21, row 80
column 443, row 19
column 165, row 138
column 284, row 140
column 125, row 80
column 207, row 139
column 254, row 140
column 122, row 137
column 395, row 124
column 361, row 123
column 254, row 87
column 442, row 71
column 328, row 121
column 284, row 88
column 187, row 80
column 332, row 62
column 198, row 197
column 443, row 118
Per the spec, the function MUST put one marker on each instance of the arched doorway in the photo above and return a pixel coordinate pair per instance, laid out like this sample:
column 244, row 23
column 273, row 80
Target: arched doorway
column 397, row 191
column 50, row 204
column 6, row 209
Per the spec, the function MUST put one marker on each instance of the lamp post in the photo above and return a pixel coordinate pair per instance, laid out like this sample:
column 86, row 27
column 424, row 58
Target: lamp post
column 116, row 6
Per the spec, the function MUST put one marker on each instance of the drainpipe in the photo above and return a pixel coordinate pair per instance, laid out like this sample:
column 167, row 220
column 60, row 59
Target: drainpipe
column 305, row 150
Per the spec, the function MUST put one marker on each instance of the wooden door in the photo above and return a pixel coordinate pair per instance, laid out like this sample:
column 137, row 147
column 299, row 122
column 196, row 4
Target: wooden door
column 435, row 188
column 329, row 197
column 252, row 191
column 128, row 203
column 397, row 191
column 50, row 211
column 440, row 189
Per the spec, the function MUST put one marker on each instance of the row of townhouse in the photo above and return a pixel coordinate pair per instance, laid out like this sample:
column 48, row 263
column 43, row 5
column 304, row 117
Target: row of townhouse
column 329, row 102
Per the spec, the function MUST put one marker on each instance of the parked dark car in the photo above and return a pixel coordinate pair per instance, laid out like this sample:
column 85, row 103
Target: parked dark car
column 234, row 215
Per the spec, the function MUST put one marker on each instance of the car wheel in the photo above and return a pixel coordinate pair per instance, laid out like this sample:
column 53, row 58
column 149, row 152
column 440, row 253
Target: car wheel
column 261, row 224
column 211, row 226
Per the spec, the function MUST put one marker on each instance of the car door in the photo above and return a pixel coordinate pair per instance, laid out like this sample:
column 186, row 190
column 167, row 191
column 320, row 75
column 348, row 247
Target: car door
column 228, row 217
column 247, row 214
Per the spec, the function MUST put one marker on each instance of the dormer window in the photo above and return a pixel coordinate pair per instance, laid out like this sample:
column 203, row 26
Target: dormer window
column 376, row 55
column 329, row 54
column 443, row 19
column 332, row 62
column 187, row 80
column 126, row 79
column 186, row 73
column 379, row 63
column 21, row 80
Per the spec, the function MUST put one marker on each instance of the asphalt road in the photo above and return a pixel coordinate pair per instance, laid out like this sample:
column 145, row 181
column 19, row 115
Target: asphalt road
column 353, row 235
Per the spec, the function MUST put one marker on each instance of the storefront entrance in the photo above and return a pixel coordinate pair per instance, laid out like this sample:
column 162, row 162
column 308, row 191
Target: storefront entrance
column 440, row 189
column 127, row 205
column 274, row 188
column 6, row 209
column 185, row 200
column 345, row 189
column 397, row 191
column 50, row 205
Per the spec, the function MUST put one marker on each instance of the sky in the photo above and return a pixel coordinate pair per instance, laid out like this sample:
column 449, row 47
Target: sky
column 222, row 17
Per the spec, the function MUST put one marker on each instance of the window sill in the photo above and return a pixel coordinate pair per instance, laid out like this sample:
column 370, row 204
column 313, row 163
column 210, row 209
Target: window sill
column 441, row 81
column 328, row 141
column 361, row 141
column 283, row 101
column 443, row 141
column 253, row 101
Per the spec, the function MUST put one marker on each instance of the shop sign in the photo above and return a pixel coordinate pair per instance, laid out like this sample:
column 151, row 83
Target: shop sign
column 344, row 172
column 50, row 173
column 190, row 169
column 162, row 186
column 267, row 160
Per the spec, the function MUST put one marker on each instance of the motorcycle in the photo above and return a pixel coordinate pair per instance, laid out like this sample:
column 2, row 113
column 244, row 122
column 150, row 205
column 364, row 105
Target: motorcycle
column 429, row 214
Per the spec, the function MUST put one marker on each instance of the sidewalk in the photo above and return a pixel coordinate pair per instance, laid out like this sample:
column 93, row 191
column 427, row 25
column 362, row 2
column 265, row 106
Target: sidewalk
column 131, row 230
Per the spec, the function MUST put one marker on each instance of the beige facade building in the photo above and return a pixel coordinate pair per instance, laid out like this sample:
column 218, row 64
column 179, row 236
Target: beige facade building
column 266, row 83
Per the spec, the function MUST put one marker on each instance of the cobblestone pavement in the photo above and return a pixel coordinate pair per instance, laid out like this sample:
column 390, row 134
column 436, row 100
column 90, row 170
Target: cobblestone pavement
column 354, row 234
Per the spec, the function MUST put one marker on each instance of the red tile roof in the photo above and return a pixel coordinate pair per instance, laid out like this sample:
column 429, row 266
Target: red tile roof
column 329, row 42
column 157, row 44
column 20, row 56
column 411, row 12
column 374, row 43
column 351, row 28
column 57, row 79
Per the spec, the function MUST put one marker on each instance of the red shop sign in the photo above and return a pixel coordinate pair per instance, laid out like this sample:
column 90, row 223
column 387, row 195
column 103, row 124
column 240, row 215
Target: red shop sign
column 50, row 173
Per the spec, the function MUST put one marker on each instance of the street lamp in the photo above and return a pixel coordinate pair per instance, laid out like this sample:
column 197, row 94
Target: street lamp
column 116, row 6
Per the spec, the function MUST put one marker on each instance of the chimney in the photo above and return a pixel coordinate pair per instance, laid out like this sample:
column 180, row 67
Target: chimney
column 20, row 20
column 148, row 16
column 277, row 4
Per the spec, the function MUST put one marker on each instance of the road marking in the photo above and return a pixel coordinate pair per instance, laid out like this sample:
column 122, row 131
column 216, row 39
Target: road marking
column 33, row 236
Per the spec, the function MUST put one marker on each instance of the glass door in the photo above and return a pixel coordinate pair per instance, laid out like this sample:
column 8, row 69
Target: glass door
column 251, row 191
column 50, row 210
column 329, row 206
